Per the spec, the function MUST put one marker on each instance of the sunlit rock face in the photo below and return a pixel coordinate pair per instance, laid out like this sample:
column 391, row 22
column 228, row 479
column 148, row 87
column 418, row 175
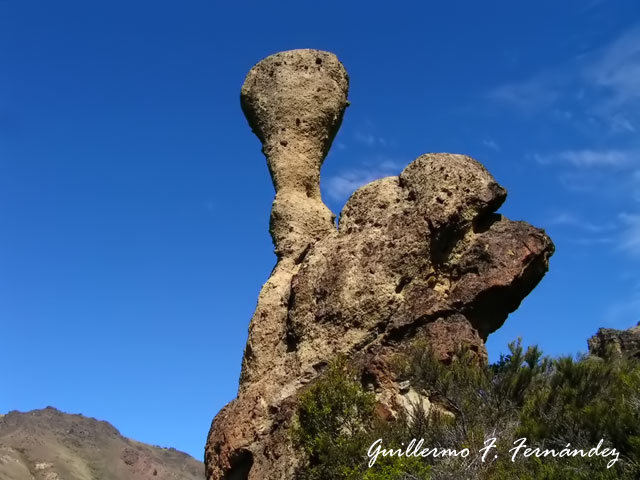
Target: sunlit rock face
column 611, row 342
column 419, row 256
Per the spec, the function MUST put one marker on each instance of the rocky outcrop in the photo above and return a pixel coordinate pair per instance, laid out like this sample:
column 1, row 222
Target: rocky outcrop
column 419, row 256
column 48, row 444
column 609, row 341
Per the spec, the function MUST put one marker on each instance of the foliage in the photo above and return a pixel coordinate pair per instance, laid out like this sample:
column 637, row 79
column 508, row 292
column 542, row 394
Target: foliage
column 336, row 424
column 550, row 402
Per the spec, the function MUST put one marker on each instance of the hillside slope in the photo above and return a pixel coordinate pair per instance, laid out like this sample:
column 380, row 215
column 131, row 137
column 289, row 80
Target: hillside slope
column 51, row 445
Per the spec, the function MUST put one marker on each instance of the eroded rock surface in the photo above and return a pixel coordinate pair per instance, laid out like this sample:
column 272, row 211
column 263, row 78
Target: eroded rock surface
column 421, row 255
column 610, row 341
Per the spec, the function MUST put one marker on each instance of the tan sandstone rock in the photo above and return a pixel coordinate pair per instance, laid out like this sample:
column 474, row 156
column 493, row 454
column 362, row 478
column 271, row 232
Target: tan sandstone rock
column 610, row 341
column 418, row 256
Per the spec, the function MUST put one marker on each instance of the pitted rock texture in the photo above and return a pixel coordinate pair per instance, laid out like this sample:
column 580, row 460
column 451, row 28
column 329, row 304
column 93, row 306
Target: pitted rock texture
column 294, row 102
column 609, row 341
column 418, row 256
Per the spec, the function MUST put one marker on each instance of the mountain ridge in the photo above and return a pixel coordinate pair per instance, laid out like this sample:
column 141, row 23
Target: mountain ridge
column 48, row 444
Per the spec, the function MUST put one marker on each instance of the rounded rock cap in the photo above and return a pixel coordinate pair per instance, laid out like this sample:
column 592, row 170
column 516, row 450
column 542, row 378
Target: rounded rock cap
column 297, row 95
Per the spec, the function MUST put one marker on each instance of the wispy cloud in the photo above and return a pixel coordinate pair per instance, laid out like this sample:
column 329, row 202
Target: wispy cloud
column 623, row 232
column 597, row 93
column 370, row 139
column 533, row 95
column 366, row 134
column 609, row 172
column 630, row 238
column 606, row 174
column 603, row 83
column 617, row 69
column 591, row 241
column 566, row 219
column 591, row 158
column 582, row 232
column 341, row 186
column 487, row 142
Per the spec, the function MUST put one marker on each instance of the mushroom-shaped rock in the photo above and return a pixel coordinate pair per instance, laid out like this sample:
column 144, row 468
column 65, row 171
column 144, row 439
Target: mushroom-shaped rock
column 294, row 102
column 421, row 256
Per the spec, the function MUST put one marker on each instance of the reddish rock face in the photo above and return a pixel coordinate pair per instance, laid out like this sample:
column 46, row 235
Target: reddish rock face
column 422, row 255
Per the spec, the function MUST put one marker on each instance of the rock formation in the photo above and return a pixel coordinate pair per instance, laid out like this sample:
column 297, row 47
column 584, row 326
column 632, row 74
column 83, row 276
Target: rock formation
column 609, row 341
column 420, row 255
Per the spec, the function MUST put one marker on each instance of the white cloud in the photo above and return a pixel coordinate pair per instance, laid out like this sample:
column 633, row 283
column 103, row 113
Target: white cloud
column 630, row 238
column 487, row 142
column 341, row 186
column 604, row 83
column 590, row 158
column 583, row 181
column 533, row 95
column 566, row 219
column 598, row 95
column 617, row 68
column 590, row 241
column 579, row 231
column 369, row 139
column 621, row 124
column 622, row 233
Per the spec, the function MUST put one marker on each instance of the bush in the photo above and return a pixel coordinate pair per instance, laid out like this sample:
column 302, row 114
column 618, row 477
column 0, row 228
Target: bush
column 336, row 424
column 550, row 402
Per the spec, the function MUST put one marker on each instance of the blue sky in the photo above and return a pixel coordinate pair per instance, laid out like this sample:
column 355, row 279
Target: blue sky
column 134, row 200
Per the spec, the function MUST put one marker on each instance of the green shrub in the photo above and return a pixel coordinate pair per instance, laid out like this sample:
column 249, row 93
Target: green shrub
column 335, row 427
column 550, row 402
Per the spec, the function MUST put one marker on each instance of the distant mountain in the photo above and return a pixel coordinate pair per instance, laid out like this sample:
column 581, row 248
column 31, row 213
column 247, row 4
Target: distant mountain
column 51, row 445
